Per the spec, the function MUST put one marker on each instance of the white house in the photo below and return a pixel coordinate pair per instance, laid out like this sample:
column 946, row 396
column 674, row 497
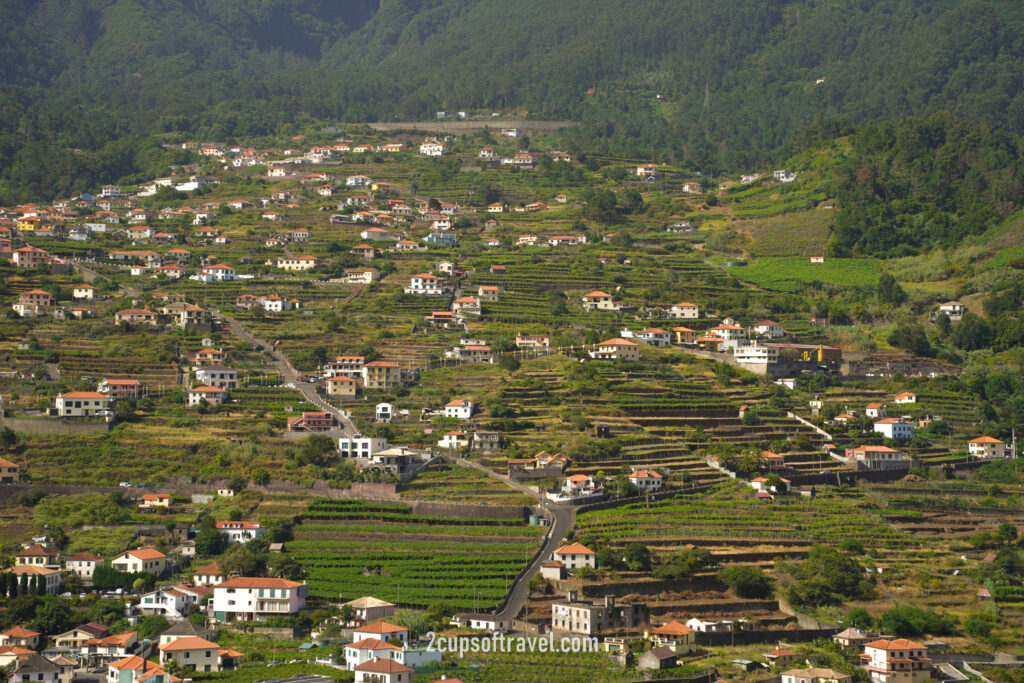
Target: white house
column 875, row 410
column 82, row 403
column 210, row 575
column 361, row 276
column 254, row 599
column 897, row 661
column 575, row 555
column 216, row 273
column 204, row 394
column 905, row 397
column 49, row 577
column 433, row 149
column 361, row 446
column 191, row 652
column 384, row 671
column 895, row 428
column 599, row 301
column 460, row 409
column 684, row 310
column 646, row 481
column 703, row 626
column 219, row 376
column 875, row 457
column 769, row 329
column 614, row 349
column 383, row 630
column 35, row 668
column 298, row 264
column 953, row 309
column 240, row 532
column 83, row 565
column 172, row 602
column 653, row 336
column 85, row 292
column 579, row 484
column 368, row 649
column 148, row 560
column 988, row 447
column 732, row 334
column 454, row 440
column 425, row 284
column 756, row 354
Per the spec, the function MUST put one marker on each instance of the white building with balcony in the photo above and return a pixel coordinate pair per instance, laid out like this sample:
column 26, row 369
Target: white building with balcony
column 246, row 598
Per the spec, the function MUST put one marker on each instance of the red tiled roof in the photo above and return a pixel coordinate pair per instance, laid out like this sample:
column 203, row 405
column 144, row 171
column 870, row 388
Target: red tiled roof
column 381, row 627
column 897, row 644
column 143, row 554
column 36, row 550
column 618, row 341
column 257, row 582
column 83, row 394
column 672, row 628
column 574, row 549
column 372, row 644
column 19, row 632
column 378, row 665
column 188, row 643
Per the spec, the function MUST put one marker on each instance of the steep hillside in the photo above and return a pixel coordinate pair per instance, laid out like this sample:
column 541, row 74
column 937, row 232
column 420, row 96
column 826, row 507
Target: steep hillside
column 739, row 79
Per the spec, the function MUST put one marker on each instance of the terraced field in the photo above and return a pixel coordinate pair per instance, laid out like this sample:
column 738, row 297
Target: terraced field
column 353, row 548
column 791, row 274
column 659, row 418
column 461, row 484
column 731, row 512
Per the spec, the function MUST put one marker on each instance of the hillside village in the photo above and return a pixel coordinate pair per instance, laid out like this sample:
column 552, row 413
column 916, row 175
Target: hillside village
column 301, row 402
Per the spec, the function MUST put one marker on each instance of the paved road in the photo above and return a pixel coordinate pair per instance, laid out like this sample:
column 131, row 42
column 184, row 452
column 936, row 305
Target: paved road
column 563, row 517
column 290, row 374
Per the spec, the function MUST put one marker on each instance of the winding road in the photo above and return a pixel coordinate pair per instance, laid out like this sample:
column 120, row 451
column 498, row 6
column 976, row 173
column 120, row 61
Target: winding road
column 562, row 518
column 289, row 374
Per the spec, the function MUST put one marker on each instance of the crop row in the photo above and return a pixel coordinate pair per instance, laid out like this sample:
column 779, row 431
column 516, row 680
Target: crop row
column 433, row 528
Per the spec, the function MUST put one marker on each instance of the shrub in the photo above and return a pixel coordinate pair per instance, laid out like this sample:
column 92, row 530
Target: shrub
column 748, row 582
column 907, row 621
column 979, row 625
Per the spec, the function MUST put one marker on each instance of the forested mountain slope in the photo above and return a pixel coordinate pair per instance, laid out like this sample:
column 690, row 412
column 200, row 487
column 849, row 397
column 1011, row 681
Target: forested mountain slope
column 741, row 77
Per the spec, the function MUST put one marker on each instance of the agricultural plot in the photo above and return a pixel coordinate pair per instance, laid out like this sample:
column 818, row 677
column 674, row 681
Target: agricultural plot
column 732, row 513
column 802, row 233
column 791, row 274
column 353, row 548
column 591, row 667
column 461, row 484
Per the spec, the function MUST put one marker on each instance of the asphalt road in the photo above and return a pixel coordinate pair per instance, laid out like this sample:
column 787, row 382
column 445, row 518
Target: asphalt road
column 289, row 374
column 562, row 519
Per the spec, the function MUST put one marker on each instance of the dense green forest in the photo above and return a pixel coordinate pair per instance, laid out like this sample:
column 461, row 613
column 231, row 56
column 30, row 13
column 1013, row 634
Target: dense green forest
column 923, row 182
column 741, row 78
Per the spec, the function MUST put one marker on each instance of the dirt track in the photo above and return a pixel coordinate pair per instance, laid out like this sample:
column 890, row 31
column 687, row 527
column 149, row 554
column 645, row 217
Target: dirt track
column 472, row 124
